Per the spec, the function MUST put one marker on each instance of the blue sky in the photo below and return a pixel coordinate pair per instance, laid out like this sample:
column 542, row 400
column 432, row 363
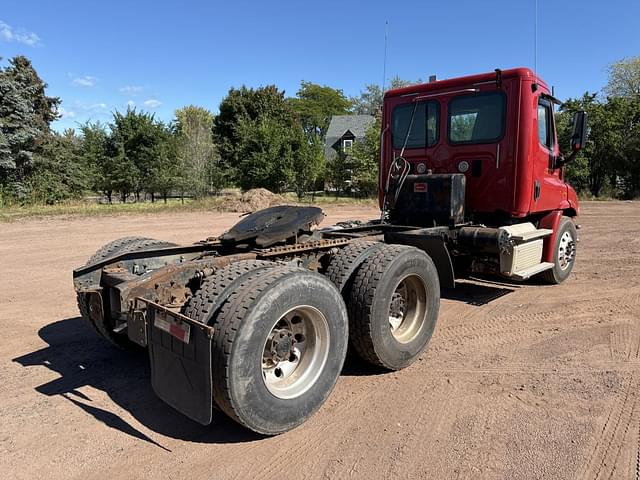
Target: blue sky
column 160, row 55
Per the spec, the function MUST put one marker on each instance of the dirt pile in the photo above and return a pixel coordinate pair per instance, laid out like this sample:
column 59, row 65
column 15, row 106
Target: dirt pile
column 250, row 201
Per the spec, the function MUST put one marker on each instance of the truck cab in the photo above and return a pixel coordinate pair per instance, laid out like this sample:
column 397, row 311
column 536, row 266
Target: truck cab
column 478, row 150
column 497, row 129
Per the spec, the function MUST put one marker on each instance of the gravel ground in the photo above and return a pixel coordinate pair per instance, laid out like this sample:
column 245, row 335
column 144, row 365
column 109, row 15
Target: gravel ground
column 519, row 381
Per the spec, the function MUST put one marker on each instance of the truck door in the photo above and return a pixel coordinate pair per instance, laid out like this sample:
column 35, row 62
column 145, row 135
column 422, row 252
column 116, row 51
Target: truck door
column 548, row 186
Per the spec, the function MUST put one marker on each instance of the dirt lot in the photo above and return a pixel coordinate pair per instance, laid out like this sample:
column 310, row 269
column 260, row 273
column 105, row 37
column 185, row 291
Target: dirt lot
column 525, row 381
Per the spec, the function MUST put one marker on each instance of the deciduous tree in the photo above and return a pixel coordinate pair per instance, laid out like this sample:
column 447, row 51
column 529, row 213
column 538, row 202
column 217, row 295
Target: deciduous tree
column 241, row 107
column 369, row 102
column 624, row 78
column 365, row 160
column 196, row 150
column 315, row 105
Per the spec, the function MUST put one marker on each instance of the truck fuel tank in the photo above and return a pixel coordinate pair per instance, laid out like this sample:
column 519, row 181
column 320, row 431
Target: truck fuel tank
column 483, row 239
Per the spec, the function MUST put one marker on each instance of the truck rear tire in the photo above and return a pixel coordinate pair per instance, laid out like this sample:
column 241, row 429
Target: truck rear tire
column 345, row 262
column 216, row 289
column 278, row 349
column 393, row 306
column 564, row 252
column 105, row 325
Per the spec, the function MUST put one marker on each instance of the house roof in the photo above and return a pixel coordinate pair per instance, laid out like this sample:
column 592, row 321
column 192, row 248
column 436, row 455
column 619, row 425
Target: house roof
column 356, row 124
column 341, row 124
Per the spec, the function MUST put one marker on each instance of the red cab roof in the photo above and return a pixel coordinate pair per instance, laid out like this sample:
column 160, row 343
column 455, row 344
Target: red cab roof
column 467, row 81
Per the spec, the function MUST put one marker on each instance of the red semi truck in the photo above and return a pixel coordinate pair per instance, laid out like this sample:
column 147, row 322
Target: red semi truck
column 257, row 322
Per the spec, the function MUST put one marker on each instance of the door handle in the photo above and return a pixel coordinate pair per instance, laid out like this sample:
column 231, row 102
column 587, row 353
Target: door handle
column 536, row 190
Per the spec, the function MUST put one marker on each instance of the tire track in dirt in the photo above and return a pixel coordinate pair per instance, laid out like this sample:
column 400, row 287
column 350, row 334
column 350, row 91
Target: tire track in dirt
column 619, row 342
column 637, row 462
column 537, row 369
column 309, row 441
column 505, row 328
column 624, row 348
column 625, row 431
column 625, row 342
column 401, row 418
column 609, row 434
column 441, row 410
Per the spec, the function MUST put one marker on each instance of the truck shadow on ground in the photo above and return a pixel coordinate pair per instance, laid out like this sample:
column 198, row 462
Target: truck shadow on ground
column 480, row 291
column 83, row 359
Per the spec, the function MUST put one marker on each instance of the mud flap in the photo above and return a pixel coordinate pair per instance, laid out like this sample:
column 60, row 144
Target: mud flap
column 180, row 358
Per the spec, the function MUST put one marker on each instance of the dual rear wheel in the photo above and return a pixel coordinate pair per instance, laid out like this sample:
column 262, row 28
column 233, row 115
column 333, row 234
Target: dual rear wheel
column 393, row 301
column 281, row 332
column 279, row 345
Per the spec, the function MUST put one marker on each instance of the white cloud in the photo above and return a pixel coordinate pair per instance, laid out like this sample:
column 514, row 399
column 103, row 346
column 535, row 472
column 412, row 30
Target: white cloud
column 79, row 112
column 84, row 81
column 131, row 90
column 152, row 103
column 9, row 34
column 90, row 108
column 131, row 104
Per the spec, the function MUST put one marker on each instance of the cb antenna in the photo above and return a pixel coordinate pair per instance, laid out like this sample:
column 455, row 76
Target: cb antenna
column 384, row 62
column 535, row 37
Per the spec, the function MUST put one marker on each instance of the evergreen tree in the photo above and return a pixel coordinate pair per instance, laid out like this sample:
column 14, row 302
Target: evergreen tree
column 25, row 115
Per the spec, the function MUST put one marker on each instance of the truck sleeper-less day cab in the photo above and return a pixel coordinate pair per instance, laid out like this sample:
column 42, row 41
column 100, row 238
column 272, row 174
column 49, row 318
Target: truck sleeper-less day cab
column 256, row 322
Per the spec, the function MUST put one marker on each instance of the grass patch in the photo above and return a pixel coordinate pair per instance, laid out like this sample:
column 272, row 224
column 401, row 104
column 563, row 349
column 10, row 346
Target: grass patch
column 87, row 208
column 91, row 208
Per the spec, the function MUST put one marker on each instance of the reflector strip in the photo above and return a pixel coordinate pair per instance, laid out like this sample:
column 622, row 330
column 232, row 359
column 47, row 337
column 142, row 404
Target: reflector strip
column 173, row 326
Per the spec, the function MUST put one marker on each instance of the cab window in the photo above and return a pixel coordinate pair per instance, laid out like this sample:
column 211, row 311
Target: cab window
column 424, row 128
column 477, row 118
column 545, row 125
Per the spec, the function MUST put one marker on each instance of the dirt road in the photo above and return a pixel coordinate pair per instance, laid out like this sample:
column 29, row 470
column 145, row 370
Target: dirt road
column 525, row 381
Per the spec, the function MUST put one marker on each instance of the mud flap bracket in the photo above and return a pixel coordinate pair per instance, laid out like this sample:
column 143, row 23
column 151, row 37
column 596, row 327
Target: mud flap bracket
column 180, row 359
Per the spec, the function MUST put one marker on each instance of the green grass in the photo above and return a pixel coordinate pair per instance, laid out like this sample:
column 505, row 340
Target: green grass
column 86, row 208
column 90, row 208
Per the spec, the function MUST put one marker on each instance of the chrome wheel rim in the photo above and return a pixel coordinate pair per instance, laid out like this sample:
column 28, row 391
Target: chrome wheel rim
column 295, row 352
column 566, row 250
column 408, row 308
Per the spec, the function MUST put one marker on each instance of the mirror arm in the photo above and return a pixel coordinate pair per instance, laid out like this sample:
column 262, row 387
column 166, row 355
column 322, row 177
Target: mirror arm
column 561, row 160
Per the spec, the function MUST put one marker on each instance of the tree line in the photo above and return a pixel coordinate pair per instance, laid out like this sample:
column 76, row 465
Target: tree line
column 610, row 162
column 258, row 138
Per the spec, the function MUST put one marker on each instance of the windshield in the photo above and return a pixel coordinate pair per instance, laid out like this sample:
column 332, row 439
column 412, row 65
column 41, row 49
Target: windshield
column 424, row 130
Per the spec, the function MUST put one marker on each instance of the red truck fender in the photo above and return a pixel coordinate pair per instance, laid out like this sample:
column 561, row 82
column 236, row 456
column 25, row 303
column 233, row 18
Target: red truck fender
column 551, row 220
column 572, row 198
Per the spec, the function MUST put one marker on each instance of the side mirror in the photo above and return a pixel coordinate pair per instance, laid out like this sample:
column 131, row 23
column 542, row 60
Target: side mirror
column 579, row 131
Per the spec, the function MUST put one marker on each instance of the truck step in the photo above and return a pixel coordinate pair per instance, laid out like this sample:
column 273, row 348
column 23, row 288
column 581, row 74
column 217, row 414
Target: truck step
column 531, row 271
column 532, row 235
